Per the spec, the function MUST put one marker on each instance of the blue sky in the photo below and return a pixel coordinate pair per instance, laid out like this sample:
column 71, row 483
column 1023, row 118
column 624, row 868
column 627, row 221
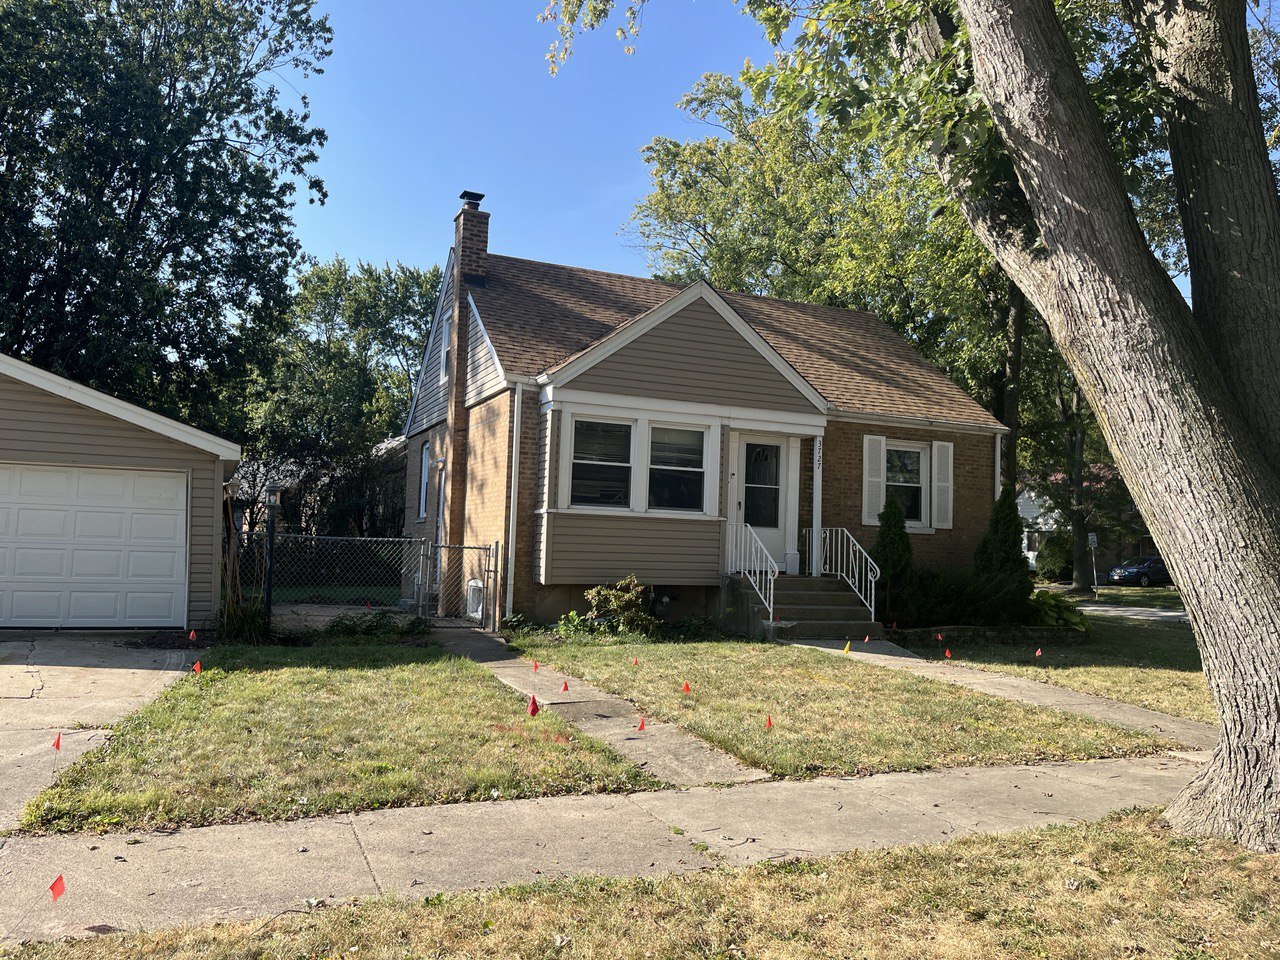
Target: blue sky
column 424, row 99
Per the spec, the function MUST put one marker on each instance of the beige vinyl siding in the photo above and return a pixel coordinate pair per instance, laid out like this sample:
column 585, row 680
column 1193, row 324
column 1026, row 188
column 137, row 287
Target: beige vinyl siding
column 588, row 547
column 483, row 379
column 39, row 427
column 431, row 400
column 696, row 356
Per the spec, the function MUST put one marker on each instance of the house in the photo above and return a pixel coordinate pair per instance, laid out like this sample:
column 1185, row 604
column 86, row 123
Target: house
column 109, row 513
column 599, row 425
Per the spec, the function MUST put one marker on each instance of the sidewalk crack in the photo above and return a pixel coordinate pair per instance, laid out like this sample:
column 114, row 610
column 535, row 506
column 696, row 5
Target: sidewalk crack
column 365, row 855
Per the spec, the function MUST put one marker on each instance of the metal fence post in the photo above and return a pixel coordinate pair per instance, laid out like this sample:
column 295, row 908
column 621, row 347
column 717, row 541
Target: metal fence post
column 273, row 501
column 422, row 577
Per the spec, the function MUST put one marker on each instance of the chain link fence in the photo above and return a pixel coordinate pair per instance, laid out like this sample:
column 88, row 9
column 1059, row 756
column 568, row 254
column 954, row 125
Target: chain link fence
column 433, row 580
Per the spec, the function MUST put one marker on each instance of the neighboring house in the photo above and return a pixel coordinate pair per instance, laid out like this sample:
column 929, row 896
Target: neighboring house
column 606, row 425
column 1039, row 522
column 109, row 514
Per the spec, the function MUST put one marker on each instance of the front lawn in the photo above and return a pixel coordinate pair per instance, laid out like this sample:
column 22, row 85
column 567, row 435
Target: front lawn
column 1121, row 888
column 1150, row 664
column 270, row 733
column 830, row 716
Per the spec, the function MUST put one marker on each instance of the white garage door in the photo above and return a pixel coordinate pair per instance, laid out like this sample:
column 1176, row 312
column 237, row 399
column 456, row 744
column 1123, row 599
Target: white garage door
column 92, row 547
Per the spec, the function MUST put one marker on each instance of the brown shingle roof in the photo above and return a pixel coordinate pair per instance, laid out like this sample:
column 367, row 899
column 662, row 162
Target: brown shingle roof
column 539, row 314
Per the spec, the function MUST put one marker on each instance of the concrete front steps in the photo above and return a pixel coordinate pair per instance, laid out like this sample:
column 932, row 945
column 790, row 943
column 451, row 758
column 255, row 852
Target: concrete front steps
column 820, row 608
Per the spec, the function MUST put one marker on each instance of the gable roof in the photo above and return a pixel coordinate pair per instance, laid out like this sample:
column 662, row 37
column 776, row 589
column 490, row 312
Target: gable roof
column 540, row 315
column 637, row 326
column 119, row 409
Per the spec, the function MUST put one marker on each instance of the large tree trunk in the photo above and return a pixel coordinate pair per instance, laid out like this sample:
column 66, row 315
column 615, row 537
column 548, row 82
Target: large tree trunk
column 1015, row 328
column 1067, row 235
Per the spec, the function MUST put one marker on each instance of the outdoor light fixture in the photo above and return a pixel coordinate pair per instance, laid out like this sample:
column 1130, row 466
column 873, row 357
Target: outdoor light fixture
column 273, row 495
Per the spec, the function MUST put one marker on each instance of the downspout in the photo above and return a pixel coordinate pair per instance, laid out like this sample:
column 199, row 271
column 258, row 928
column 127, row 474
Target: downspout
column 515, row 481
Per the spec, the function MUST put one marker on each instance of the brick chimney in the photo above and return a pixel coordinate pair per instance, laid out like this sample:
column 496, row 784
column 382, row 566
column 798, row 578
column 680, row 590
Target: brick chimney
column 471, row 239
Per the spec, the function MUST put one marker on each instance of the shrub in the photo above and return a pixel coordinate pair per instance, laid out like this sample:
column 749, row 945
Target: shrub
column 1055, row 559
column 573, row 625
column 1055, row 610
column 964, row 598
column 892, row 554
column 623, row 606
column 1000, row 565
column 243, row 622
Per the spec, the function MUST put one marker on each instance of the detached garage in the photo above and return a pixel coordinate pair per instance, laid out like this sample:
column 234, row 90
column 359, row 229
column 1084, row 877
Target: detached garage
column 109, row 513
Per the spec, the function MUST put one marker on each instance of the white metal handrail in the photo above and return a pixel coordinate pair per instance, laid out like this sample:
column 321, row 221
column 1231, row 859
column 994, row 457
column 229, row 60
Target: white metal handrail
column 843, row 556
column 746, row 555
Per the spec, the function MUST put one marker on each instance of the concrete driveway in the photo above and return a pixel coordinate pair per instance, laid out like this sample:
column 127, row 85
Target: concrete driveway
column 73, row 684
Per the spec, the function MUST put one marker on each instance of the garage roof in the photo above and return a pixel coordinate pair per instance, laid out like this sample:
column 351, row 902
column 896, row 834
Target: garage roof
column 128, row 412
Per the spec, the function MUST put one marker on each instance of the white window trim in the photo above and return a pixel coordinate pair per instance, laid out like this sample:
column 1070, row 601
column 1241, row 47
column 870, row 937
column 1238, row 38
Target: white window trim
column 705, row 430
column 641, row 432
column 567, row 492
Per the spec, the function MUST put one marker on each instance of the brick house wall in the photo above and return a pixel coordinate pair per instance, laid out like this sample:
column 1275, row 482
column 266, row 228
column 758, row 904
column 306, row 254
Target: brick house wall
column 423, row 527
column 488, row 472
column 973, row 496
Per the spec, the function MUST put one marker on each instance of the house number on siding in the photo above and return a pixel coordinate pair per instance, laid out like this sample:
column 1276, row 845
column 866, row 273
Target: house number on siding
column 817, row 452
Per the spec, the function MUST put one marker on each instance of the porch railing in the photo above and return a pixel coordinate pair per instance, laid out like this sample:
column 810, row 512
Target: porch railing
column 746, row 555
column 844, row 556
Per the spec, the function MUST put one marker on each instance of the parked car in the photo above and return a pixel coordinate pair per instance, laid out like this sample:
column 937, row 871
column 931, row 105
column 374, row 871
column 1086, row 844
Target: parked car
column 1144, row 571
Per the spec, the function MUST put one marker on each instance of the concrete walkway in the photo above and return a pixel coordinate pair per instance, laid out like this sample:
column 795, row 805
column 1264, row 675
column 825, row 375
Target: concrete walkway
column 663, row 749
column 53, row 683
column 1137, row 613
column 154, row 880
column 884, row 653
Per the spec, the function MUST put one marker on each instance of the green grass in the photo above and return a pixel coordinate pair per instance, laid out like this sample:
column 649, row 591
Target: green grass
column 1153, row 665
column 1156, row 598
column 270, row 733
column 831, row 716
column 1121, row 888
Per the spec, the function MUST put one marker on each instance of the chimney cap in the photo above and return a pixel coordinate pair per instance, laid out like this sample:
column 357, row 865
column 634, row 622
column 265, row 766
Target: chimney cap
column 471, row 199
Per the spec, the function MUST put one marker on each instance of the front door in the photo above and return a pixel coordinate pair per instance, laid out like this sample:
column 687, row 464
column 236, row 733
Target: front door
column 761, row 475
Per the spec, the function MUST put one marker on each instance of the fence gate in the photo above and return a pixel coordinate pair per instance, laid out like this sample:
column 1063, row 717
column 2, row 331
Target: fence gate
column 462, row 582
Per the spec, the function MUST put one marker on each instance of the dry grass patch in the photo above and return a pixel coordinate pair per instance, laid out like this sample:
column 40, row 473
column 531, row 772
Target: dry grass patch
column 1152, row 665
column 1117, row 889
column 831, row 716
column 272, row 733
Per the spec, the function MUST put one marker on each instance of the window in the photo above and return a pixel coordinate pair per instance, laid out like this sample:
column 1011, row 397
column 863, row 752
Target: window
column 601, row 464
column 677, row 478
column 904, row 480
column 762, row 487
column 445, row 351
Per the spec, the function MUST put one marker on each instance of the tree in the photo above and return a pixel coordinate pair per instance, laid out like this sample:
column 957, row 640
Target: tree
column 149, row 161
column 892, row 553
column 1033, row 116
column 777, row 204
column 999, row 561
column 336, row 390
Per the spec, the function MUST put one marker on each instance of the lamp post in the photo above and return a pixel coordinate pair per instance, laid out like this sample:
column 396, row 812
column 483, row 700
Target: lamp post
column 273, row 504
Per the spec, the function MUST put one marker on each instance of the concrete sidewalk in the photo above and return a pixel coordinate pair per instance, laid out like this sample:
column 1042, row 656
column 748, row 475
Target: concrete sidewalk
column 73, row 684
column 669, row 753
column 154, row 880
column 883, row 653
column 1137, row 613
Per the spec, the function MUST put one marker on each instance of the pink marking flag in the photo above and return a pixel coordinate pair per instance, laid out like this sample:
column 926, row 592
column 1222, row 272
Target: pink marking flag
column 565, row 687
column 641, row 727
column 533, row 706
column 768, row 722
column 948, row 653
column 58, row 888
column 192, row 636
column 1038, row 651
column 57, row 741
column 195, row 668
column 685, row 688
